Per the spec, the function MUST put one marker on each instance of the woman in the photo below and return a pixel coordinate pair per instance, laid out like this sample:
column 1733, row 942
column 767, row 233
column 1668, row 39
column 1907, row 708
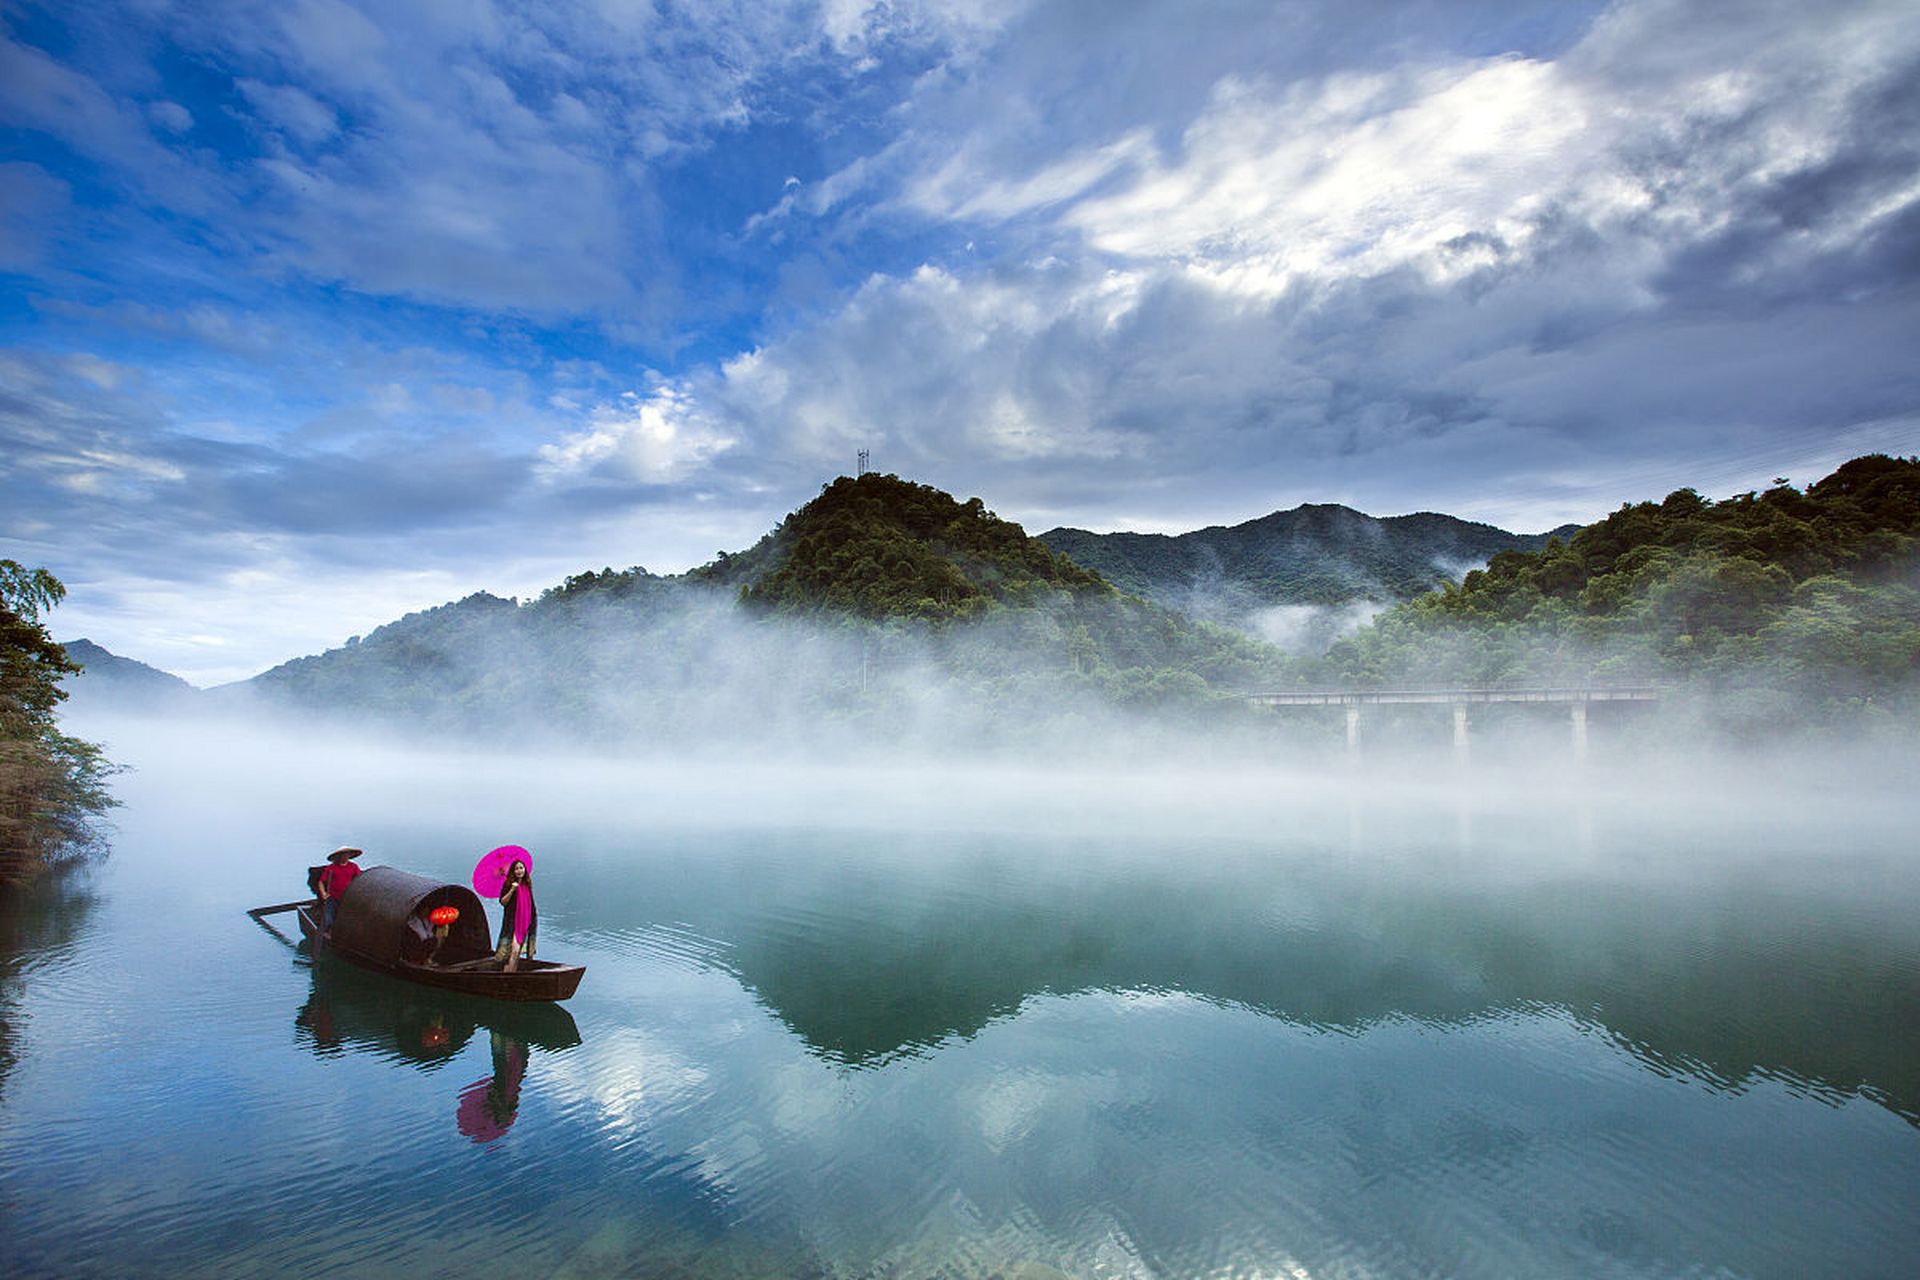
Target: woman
column 518, row 918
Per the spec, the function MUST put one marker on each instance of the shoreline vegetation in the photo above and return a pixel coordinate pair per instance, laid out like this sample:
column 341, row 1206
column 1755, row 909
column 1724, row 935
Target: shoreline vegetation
column 53, row 787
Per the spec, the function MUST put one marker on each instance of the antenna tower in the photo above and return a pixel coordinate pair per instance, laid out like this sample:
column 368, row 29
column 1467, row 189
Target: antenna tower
column 862, row 464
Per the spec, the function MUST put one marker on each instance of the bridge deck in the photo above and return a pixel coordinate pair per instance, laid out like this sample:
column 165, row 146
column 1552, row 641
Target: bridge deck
column 1365, row 697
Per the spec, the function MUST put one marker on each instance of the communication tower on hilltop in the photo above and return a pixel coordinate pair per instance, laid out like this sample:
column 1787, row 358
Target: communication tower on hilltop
column 861, row 465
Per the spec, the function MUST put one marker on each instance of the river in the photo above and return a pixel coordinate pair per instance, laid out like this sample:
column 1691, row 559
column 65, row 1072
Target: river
column 979, row 1022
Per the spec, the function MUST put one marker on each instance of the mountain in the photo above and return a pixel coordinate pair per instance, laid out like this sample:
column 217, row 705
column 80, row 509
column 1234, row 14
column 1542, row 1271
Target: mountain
column 879, row 547
column 108, row 678
column 881, row 606
column 1319, row 555
column 1785, row 604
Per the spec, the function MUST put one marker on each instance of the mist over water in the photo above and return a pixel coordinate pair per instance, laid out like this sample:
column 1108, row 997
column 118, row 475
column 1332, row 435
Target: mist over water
column 1143, row 1011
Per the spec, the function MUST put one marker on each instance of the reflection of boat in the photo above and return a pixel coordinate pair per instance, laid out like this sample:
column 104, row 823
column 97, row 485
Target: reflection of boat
column 382, row 925
column 354, row 1012
column 351, row 1011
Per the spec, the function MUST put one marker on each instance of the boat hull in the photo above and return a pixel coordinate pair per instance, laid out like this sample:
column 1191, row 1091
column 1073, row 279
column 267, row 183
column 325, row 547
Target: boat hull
column 533, row 980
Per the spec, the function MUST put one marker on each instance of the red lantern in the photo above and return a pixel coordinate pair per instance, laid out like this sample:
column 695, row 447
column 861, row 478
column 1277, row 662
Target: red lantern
column 441, row 917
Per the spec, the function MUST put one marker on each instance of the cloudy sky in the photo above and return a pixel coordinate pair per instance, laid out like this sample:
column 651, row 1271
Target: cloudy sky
column 313, row 312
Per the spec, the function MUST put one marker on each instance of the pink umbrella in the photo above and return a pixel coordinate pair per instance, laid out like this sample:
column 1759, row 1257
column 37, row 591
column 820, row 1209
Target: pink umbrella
column 490, row 873
column 490, row 877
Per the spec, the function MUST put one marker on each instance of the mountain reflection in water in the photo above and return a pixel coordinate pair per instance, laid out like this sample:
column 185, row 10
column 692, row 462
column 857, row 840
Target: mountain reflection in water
column 1734, row 967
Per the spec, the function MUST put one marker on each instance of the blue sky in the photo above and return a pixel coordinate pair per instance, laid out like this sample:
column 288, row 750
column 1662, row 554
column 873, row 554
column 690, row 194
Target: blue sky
column 314, row 312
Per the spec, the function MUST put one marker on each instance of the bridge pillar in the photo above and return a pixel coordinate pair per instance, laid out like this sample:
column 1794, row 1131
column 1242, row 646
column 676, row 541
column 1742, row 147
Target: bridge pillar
column 1353, row 730
column 1580, row 732
column 1460, row 729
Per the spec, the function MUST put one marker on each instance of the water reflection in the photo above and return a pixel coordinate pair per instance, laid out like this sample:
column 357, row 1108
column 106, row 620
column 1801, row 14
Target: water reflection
column 1743, row 968
column 348, row 1011
column 38, row 926
column 1339, row 1051
column 488, row 1107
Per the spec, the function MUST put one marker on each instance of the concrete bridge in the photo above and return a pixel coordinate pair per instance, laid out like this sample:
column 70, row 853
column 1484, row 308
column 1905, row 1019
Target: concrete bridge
column 1575, row 697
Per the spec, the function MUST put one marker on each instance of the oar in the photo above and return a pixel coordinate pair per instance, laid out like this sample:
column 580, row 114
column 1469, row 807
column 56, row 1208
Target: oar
column 277, row 908
column 259, row 916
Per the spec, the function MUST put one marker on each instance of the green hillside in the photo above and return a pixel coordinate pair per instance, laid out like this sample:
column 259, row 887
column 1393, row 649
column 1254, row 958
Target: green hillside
column 882, row 547
column 1808, row 595
column 906, row 564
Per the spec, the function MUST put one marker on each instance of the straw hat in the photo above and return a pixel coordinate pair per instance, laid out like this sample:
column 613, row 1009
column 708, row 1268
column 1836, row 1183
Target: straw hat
column 343, row 854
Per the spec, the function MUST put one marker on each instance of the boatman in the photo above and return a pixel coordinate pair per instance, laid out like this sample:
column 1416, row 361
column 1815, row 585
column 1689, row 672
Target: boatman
column 333, row 882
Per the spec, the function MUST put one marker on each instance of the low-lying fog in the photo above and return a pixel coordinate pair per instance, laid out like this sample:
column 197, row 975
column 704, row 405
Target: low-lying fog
column 1288, row 770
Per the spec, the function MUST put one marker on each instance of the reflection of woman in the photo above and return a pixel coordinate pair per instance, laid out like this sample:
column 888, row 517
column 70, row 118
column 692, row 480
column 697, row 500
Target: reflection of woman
column 488, row 1107
column 518, row 918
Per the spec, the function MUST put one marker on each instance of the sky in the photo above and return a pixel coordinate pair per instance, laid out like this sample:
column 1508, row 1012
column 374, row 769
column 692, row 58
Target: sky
column 316, row 312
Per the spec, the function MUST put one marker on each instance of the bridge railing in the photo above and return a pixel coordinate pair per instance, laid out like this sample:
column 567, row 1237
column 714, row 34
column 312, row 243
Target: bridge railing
column 1457, row 694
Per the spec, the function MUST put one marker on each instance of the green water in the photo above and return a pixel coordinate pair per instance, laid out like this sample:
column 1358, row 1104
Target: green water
column 968, row 1026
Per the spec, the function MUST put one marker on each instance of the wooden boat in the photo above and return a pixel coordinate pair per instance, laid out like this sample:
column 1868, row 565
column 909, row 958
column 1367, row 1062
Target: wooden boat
column 381, row 924
column 349, row 1009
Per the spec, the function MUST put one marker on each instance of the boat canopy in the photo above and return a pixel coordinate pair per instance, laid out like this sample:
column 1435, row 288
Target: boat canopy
column 383, row 917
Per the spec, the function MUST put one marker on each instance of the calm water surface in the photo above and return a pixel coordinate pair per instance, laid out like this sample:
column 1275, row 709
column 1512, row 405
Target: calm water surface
column 968, row 1033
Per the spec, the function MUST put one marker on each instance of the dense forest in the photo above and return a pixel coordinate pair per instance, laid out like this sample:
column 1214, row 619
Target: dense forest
column 52, row 786
column 1782, row 596
column 880, row 547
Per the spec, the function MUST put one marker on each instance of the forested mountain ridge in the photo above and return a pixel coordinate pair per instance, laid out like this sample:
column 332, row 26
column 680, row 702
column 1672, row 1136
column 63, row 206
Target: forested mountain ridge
column 1315, row 554
column 870, row 600
column 908, row 561
column 1804, row 595
column 882, row 599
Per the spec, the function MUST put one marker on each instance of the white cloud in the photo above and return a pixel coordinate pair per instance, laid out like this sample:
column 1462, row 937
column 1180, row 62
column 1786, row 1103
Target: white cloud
column 294, row 110
column 474, row 155
column 958, row 189
column 1393, row 284
column 1355, row 175
column 34, row 207
column 38, row 93
column 1453, row 167
column 1165, row 265
column 170, row 116
column 659, row 437
column 930, row 370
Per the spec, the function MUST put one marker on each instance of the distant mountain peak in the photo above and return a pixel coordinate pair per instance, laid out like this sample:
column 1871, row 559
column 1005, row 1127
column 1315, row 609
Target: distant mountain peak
column 1318, row 554
column 107, row 678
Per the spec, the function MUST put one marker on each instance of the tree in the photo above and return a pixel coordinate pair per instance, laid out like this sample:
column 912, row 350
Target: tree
column 52, row 786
